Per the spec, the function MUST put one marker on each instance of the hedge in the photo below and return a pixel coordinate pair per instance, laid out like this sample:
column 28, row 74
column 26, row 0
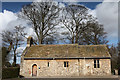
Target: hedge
column 10, row 72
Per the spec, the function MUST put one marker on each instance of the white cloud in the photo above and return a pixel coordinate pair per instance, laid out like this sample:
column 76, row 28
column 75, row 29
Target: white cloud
column 61, row 5
column 111, row 0
column 8, row 20
column 70, row 0
column 92, row 12
column 107, row 14
column 5, row 18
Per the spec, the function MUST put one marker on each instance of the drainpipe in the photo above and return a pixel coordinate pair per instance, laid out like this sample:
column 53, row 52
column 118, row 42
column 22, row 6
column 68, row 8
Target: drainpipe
column 84, row 66
column 79, row 66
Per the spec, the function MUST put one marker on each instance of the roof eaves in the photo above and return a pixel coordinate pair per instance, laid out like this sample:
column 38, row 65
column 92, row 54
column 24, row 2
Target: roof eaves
column 33, row 58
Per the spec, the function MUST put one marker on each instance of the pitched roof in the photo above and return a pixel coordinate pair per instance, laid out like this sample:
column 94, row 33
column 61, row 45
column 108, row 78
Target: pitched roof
column 67, row 51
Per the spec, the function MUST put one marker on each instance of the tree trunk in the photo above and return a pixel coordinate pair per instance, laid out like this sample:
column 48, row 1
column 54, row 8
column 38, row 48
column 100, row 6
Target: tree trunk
column 15, row 58
column 76, row 36
column 72, row 39
column 14, row 48
column 40, row 41
column 76, row 40
column 95, row 39
column 118, row 61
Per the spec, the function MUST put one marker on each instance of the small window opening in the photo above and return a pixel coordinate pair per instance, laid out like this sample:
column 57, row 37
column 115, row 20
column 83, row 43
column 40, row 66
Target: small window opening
column 96, row 63
column 48, row 64
column 66, row 64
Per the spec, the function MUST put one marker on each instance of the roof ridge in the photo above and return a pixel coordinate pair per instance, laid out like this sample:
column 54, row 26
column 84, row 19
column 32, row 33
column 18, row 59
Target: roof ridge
column 67, row 44
column 53, row 44
column 94, row 45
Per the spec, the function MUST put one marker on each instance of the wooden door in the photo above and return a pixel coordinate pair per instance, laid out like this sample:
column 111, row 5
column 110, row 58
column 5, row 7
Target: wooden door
column 34, row 70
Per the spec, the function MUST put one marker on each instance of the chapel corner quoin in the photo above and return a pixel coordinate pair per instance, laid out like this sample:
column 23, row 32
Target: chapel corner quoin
column 65, row 60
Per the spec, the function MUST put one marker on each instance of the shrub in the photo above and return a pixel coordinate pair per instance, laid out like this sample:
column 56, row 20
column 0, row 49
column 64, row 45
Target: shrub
column 7, row 64
column 10, row 72
column 13, row 64
column 17, row 65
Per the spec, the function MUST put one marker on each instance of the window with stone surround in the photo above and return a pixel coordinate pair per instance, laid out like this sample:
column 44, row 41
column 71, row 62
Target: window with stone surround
column 96, row 63
column 48, row 64
column 65, row 63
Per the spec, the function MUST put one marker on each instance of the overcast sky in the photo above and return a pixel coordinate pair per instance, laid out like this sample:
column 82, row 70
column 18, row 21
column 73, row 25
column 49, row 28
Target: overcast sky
column 106, row 12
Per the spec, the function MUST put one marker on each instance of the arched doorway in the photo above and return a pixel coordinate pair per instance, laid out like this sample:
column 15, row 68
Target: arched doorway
column 34, row 70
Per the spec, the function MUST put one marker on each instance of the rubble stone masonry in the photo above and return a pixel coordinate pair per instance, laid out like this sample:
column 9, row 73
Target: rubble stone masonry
column 76, row 67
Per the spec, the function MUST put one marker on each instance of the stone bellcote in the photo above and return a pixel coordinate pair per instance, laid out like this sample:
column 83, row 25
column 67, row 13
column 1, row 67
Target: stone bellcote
column 29, row 41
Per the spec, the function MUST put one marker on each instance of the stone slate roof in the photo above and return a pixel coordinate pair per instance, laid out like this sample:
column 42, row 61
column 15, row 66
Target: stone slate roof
column 67, row 51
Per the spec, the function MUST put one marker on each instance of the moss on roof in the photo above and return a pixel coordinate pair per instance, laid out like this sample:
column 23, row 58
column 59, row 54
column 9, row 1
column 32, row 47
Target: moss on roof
column 67, row 50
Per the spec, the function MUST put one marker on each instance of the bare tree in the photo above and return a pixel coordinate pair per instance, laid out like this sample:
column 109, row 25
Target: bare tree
column 94, row 33
column 72, row 19
column 43, row 17
column 13, row 39
column 118, row 60
column 82, row 28
column 114, row 58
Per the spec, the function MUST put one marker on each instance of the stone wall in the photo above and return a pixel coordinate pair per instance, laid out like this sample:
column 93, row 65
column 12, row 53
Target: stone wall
column 87, row 67
column 76, row 67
